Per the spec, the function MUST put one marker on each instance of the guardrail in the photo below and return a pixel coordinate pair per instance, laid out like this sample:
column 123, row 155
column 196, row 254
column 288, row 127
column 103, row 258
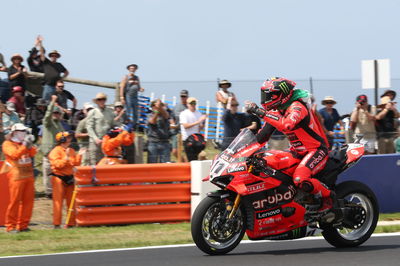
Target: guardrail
column 125, row 194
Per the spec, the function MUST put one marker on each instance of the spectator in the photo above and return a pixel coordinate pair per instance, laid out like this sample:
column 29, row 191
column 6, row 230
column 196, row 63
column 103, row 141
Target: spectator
column 17, row 72
column 385, row 120
column 99, row 121
column 4, row 86
column 252, row 122
column 223, row 94
column 3, row 66
column 191, row 121
column 18, row 99
column 390, row 93
column 63, row 160
column 34, row 62
column 112, row 142
column 9, row 117
column 51, row 126
column 35, row 115
column 82, row 135
column 397, row 142
column 52, row 70
column 362, row 121
column 159, row 148
column 63, row 96
column 330, row 117
column 233, row 122
column 19, row 151
column 175, row 128
column 120, row 115
column 128, row 91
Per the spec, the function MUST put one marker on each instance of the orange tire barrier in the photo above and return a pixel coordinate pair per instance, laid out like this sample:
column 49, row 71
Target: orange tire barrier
column 149, row 192
column 4, row 196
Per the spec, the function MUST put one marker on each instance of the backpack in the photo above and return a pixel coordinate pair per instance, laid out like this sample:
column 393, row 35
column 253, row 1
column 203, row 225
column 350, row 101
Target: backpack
column 196, row 142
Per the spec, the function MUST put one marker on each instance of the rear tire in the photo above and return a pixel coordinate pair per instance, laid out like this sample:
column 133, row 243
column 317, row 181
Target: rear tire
column 362, row 195
column 212, row 232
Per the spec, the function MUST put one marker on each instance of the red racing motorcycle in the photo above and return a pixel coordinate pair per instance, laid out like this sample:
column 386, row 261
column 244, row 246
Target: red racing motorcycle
column 258, row 197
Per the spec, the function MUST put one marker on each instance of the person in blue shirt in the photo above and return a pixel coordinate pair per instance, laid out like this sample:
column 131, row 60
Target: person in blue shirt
column 330, row 117
column 233, row 122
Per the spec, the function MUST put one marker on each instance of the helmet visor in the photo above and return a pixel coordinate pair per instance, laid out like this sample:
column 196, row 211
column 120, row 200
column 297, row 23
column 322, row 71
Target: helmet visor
column 266, row 96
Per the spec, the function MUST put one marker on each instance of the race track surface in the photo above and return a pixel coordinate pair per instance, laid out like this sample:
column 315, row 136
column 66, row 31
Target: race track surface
column 379, row 250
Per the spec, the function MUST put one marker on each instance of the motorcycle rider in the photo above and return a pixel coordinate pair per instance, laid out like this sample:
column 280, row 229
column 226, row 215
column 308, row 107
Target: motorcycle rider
column 285, row 110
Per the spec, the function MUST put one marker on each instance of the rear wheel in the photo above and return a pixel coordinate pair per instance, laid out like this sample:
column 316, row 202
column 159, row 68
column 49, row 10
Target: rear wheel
column 361, row 218
column 212, row 230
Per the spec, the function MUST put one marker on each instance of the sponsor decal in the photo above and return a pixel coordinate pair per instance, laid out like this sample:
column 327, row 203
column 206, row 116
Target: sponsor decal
column 296, row 144
column 267, row 214
column 256, row 187
column 355, row 152
column 274, row 198
column 226, row 158
column 292, row 137
column 317, row 159
column 272, row 116
column 236, row 168
column 249, row 149
column 284, row 87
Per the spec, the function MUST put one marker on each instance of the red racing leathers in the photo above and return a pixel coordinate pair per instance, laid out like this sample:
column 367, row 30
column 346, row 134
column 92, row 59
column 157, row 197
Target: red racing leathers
column 309, row 146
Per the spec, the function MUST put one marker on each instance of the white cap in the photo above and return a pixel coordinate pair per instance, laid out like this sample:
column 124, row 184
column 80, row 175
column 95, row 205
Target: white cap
column 87, row 105
column 18, row 126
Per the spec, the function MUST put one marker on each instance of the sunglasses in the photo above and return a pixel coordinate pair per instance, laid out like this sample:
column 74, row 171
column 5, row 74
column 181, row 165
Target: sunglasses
column 329, row 102
column 234, row 104
column 193, row 103
column 101, row 99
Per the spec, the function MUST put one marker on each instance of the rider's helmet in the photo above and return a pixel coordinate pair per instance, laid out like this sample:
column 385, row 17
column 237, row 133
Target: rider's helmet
column 113, row 132
column 275, row 92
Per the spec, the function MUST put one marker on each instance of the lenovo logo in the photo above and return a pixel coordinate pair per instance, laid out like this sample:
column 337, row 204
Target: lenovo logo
column 267, row 214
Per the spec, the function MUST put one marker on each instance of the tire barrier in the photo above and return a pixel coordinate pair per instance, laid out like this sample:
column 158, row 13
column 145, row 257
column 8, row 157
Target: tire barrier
column 135, row 193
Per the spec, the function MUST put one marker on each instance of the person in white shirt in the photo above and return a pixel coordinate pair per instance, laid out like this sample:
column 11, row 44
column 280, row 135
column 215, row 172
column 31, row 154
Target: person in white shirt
column 191, row 122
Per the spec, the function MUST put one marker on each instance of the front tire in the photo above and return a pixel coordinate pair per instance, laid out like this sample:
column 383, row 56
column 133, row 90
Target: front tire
column 212, row 231
column 356, row 194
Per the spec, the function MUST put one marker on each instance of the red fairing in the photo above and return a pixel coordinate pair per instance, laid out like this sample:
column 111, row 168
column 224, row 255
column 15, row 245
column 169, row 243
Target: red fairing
column 354, row 152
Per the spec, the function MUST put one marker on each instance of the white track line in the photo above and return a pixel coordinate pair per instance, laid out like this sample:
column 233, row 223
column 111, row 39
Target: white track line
column 178, row 246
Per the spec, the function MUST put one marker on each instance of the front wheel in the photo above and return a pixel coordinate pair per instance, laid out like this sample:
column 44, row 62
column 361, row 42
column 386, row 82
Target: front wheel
column 212, row 230
column 361, row 219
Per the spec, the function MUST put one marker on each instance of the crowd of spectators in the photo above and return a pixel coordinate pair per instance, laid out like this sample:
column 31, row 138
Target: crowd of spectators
column 168, row 131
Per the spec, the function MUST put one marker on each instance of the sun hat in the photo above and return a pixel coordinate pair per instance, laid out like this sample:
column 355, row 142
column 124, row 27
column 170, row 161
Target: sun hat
column 100, row 95
column 55, row 52
column 17, row 56
column 224, row 82
column 328, row 99
column 191, row 99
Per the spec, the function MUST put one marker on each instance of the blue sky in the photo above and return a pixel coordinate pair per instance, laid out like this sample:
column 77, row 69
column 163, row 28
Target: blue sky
column 179, row 40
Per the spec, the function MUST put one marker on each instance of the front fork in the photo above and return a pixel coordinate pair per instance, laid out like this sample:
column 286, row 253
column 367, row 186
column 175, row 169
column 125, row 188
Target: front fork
column 235, row 206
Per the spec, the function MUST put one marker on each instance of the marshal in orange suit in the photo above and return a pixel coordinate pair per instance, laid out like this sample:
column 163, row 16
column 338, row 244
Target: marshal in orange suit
column 63, row 159
column 111, row 145
column 19, row 151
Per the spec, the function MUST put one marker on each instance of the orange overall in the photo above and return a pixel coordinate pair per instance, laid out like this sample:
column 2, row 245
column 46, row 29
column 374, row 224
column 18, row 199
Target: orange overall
column 62, row 162
column 18, row 160
column 112, row 148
